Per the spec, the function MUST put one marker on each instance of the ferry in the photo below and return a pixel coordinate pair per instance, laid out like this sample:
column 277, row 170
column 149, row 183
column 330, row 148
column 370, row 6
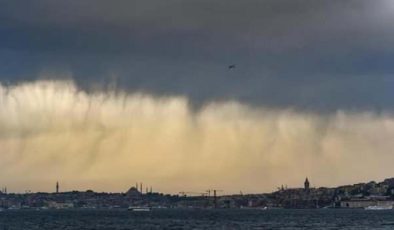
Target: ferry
column 377, row 207
column 256, row 208
column 139, row 209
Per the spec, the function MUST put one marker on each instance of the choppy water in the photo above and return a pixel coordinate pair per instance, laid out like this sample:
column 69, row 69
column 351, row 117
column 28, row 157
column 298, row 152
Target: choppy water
column 197, row 219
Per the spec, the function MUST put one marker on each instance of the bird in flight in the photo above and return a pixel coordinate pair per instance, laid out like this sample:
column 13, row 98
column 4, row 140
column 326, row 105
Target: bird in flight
column 231, row 66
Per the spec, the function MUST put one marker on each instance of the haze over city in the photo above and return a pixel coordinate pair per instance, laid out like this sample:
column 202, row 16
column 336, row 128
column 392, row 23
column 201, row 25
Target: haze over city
column 192, row 95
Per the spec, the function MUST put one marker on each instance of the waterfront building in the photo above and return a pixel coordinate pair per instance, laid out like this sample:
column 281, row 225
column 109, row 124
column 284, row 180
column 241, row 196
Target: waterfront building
column 364, row 203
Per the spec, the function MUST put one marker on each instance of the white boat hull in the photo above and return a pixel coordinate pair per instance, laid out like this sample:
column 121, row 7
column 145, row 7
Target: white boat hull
column 379, row 207
column 139, row 209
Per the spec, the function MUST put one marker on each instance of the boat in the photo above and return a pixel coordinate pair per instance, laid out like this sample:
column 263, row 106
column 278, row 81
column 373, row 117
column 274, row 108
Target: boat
column 377, row 207
column 255, row 208
column 139, row 209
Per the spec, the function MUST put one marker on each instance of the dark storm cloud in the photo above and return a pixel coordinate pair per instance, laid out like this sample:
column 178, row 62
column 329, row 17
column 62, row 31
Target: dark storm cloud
column 319, row 55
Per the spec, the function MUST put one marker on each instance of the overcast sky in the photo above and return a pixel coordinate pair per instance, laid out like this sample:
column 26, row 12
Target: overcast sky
column 101, row 94
column 315, row 55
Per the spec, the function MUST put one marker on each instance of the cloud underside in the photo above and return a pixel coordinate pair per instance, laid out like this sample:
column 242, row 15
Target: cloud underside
column 108, row 140
column 324, row 56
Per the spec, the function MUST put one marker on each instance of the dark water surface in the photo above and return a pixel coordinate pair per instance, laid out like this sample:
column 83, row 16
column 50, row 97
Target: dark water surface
column 197, row 219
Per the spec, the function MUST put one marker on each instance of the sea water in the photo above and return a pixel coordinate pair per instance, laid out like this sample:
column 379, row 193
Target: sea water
column 197, row 219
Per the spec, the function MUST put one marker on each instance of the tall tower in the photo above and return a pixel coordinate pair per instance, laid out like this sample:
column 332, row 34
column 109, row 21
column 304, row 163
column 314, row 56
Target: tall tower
column 57, row 186
column 306, row 184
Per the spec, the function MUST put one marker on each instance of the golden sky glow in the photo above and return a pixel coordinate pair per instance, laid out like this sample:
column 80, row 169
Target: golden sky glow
column 49, row 131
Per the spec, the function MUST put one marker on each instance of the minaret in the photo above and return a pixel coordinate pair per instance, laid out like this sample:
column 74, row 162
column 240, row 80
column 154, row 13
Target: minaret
column 57, row 186
column 306, row 184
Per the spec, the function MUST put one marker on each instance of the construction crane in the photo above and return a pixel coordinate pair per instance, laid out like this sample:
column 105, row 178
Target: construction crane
column 215, row 191
column 193, row 193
